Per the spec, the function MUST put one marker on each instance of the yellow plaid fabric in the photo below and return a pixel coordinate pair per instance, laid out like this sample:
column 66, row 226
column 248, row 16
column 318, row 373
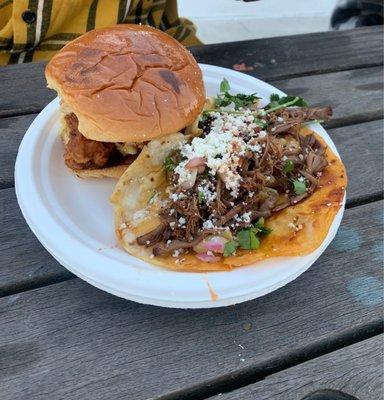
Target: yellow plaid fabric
column 34, row 30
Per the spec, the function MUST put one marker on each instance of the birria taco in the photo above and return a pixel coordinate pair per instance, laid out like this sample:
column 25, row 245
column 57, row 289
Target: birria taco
column 255, row 182
column 121, row 87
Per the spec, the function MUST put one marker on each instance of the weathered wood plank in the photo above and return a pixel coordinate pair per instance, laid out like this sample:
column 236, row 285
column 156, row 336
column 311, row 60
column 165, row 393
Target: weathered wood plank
column 355, row 96
column 23, row 89
column 361, row 149
column 356, row 370
column 70, row 340
column 271, row 59
column 288, row 56
column 12, row 130
column 24, row 263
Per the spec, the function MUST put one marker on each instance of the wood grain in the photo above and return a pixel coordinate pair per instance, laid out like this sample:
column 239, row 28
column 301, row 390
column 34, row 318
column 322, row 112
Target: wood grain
column 355, row 96
column 356, row 370
column 23, row 89
column 24, row 263
column 270, row 59
column 288, row 56
column 12, row 130
column 70, row 340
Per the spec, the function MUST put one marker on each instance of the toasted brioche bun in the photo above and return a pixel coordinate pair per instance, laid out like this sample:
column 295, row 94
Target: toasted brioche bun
column 127, row 83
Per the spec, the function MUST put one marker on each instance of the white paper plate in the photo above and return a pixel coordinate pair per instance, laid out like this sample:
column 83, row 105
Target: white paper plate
column 73, row 220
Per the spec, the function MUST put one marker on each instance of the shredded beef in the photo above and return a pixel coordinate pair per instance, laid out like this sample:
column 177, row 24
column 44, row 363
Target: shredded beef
column 153, row 236
column 265, row 187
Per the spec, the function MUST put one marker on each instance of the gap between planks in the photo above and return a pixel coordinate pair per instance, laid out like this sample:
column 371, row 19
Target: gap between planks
column 253, row 374
column 323, row 71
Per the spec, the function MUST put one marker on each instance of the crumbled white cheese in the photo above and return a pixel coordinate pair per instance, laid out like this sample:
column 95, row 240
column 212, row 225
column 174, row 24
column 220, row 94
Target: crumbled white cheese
column 176, row 253
column 208, row 191
column 301, row 178
column 140, row 214
column 177, row 196
column 182, row 221
column 246, row 217
column 256, row 148
column 298, row 227
column 262, row 134
column 222, row 147
column 208, row 224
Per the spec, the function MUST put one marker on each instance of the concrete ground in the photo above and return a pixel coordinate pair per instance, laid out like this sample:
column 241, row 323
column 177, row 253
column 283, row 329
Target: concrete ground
column 228, row 20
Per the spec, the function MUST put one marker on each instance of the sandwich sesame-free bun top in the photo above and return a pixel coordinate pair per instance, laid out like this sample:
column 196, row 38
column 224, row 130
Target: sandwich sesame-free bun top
column 127, row 83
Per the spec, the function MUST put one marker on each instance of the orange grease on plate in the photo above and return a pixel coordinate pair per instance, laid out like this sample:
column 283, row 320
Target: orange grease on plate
column 212, row 293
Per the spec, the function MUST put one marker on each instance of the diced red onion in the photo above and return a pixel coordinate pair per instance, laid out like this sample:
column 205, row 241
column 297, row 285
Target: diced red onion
column 216, row 244
column 212, row 243
column 188, row 184
column 207, row 257
column 195, row 162
column 200, row 169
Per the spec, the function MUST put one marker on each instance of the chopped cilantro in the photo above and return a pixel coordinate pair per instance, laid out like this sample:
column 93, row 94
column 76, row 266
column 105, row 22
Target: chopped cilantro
column 261, row 229
column 230, row 247
column 152, row 197
column 224, row 86
column 299, row 187
column 289, row 166
column 169, row 164
column 224, row 98
column 200, row 197
column 277, row 102
column 254, row 240
column 274, row 97
column 247, row 239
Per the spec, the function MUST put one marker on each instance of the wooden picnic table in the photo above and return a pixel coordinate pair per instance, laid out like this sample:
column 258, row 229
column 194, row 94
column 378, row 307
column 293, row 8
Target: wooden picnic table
column 64, row 339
